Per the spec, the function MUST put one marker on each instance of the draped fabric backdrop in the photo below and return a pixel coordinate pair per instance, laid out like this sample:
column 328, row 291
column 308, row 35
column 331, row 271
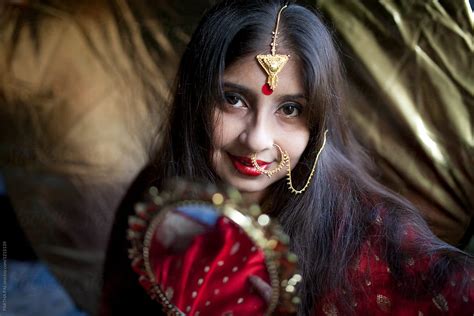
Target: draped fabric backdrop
column 83, row 87
column 410, row 66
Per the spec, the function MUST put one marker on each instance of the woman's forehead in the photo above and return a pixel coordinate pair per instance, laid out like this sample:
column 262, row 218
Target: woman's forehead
column 248, row 73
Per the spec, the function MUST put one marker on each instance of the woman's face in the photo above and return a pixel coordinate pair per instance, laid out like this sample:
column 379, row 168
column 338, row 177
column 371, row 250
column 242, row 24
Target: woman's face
column 249, row 121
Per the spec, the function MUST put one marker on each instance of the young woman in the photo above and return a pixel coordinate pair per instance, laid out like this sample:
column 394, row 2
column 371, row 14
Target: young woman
column 250, row 104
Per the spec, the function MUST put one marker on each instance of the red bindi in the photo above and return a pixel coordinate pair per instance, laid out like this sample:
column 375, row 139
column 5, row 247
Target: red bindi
column 266, row 90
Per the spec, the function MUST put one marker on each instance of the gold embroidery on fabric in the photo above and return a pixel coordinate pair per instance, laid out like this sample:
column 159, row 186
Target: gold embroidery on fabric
column 169, row 293
column 378, row 220
column 356, row 263
column 330, row 310
column 440, row 302
column 384, row 303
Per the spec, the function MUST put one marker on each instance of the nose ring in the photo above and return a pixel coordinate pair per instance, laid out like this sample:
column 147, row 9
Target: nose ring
column 281, row 164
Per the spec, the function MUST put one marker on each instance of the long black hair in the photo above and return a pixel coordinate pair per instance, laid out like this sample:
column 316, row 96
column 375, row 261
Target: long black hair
column 329, row 222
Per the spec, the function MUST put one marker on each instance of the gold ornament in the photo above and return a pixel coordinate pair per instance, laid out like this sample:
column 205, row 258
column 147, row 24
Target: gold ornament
column 273, row 63
column 284, row 158
column 290, row 182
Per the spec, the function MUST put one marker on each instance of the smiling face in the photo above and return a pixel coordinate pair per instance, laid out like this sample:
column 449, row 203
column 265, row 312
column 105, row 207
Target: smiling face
column 248, row 122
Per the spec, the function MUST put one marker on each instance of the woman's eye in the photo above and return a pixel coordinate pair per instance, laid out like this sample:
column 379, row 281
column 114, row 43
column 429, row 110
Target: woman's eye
column 233, row 99
column 291, row 109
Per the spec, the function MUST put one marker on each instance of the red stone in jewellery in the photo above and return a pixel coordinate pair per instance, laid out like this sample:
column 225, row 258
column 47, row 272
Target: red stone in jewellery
column 266, row 90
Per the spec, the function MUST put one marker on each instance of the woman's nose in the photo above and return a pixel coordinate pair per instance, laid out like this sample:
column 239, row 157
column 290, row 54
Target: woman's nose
column 257, row 135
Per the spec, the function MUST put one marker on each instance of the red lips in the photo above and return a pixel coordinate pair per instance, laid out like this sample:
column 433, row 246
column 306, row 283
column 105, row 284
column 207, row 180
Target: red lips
column 244, row 165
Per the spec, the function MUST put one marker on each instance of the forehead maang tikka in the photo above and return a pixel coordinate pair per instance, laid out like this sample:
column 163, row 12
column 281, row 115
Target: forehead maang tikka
column 273, row 63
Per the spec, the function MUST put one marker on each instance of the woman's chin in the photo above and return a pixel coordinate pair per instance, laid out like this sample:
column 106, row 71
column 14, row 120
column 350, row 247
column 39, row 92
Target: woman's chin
column 251, row 189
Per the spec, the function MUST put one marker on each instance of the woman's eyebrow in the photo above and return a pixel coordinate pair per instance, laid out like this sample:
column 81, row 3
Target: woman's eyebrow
column 237, row 87
column 247, row 91
column 293, row 97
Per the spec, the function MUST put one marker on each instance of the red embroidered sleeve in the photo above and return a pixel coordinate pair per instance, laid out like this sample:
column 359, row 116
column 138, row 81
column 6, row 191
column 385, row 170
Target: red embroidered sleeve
column 376, row 292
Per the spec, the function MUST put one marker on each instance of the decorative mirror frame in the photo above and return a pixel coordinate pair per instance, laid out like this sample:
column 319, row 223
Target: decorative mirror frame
column 259, row 227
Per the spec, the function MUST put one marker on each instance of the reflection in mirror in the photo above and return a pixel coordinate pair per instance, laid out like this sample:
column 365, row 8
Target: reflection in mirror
column 211, row 256
column 199, row 258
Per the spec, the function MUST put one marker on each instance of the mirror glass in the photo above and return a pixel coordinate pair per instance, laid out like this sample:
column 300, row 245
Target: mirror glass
column 202, row 261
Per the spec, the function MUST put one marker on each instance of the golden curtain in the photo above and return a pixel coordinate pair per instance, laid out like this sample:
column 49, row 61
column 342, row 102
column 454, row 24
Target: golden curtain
column 410, row 67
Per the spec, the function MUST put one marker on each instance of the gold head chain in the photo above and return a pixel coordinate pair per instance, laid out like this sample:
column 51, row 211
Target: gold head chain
column 273, row 63
column 288, row 175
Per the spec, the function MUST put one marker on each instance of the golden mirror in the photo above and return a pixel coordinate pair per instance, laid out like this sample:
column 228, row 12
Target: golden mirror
column 199, row 251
